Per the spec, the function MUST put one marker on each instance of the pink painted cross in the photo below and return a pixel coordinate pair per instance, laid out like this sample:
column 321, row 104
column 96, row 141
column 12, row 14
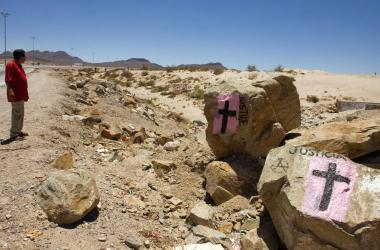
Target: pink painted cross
column 226, row 120
column 328, row 185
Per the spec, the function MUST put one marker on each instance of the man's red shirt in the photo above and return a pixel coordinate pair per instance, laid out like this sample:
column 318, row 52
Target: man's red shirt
column 15, row 77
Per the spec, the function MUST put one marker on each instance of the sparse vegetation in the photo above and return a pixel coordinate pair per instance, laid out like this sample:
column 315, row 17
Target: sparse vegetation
column 146, row 83
column 252, row 68
column 191, row 68
column 160, row 88
column 145, row 67
column 169, row 69
column 176, row 80
column 197, row 93
column 279, row 68
column 218, row 71
column 146, row 101
column 127, row 74
column 144, row 73
column 111, row 74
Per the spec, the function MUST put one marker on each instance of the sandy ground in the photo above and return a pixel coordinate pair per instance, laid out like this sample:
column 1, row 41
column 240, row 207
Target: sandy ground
column 26, row 163
column 359, row 87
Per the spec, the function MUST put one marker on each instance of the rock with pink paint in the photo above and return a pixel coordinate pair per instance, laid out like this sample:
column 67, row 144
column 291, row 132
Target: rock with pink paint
column 321, row 200
column 250, row 117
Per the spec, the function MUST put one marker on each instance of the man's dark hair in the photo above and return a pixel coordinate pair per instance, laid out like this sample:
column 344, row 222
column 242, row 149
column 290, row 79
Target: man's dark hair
column 18, row 53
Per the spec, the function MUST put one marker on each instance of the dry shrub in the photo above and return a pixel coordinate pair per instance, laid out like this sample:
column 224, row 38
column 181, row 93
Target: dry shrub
column 146, row 83
column 252, row 68
column 176, row 80
column 218, row 71
column 279, row 68
column 160, row 88
column 197, row 93
column 127, row 74
column 312, row 98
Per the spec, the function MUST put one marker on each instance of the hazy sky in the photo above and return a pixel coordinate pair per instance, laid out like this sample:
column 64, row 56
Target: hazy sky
column 333, row 35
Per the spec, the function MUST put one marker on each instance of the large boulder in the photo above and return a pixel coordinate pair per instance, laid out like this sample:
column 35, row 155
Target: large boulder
column 351, row 139
column 251, row 118
column 224, row 181
column 321, row 200
column 66, row 196
column 285, row 100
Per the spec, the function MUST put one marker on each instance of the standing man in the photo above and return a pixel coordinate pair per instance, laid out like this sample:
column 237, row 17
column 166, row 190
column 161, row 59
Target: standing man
column 17, row 93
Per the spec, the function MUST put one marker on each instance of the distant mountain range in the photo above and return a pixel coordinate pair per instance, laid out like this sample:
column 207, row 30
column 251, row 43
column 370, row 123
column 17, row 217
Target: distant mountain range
column 133, row 63
column 201, row 66
column 47, row 57
column 63, row 58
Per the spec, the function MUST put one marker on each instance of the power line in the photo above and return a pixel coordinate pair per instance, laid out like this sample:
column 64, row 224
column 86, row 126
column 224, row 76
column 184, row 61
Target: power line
column 5, row 15
column 34, row 59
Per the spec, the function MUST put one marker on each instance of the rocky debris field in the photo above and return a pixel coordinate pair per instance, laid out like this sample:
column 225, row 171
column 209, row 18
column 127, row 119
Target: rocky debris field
column 179, row 160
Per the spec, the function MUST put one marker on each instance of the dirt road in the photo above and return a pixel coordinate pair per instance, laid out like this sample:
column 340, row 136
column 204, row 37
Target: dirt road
column 23, row 163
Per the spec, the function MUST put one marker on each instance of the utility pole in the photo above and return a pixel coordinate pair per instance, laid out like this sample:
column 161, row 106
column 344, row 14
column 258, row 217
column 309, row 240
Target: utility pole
column 4, row 14
column 72, row 56
column 34, row 59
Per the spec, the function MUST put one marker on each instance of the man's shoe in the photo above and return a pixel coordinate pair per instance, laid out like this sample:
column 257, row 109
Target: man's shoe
column 8, row 141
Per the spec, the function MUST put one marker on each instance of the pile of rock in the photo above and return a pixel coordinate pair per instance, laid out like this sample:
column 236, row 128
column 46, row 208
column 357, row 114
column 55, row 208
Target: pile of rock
column 317, row 198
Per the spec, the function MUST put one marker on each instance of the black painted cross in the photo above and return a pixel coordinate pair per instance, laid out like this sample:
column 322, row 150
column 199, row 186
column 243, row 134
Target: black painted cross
column 331, row 177
column 226, row 114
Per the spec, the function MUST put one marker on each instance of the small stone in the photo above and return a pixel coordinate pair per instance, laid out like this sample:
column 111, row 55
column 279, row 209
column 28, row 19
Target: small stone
column 175, row 201
column 139, row 137
column 72, row 86
column 172, row 145
column 147, row 243
column 252, row 213
column 72, row 117
column 129, row 101
column 8, row 216
column 81, row 84
column 102, row 238
column 237, row 226
column 207, row 232
column 251, row 224
column 152, row 186
column 201, row 214
column 111, row 134
column 133, row 242
column 162, row 167
column 226, row 227
column 100, row 90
